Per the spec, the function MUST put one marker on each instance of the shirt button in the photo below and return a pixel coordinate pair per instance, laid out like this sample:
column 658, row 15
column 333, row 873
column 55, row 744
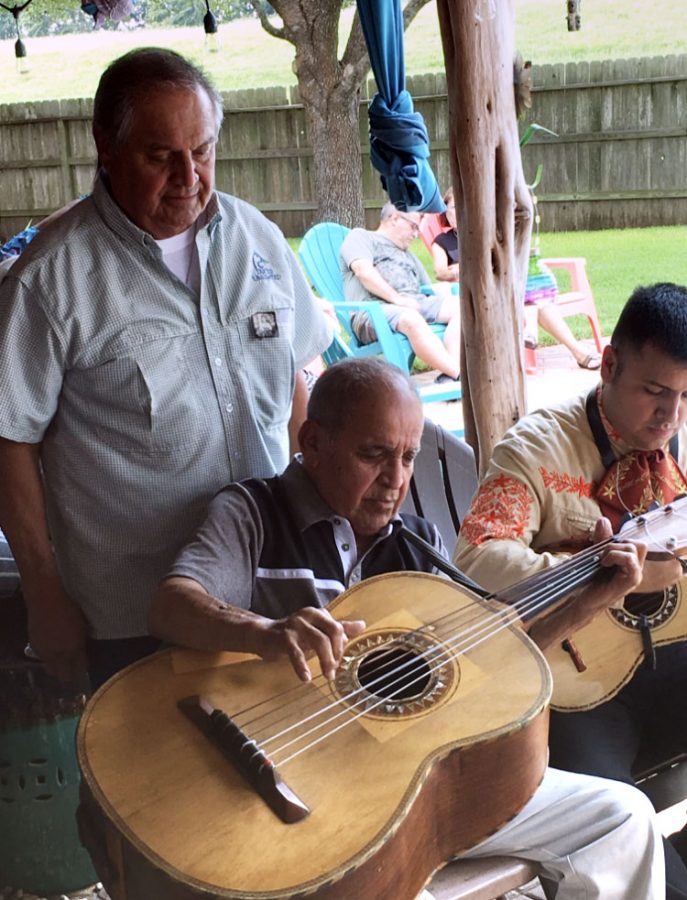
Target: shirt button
column 229, row 407
column 345, row 546
column 218, row 361
column 337, row 521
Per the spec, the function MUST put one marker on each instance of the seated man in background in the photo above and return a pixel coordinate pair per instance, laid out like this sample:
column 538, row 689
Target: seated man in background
column 271, row 553
column 377, row 265
column 611, row 452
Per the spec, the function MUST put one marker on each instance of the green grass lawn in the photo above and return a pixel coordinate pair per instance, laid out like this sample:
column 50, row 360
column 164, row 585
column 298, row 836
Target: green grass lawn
column 618, row 261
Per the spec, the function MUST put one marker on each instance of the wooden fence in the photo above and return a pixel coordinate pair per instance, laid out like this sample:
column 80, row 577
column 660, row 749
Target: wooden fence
column 619, row 159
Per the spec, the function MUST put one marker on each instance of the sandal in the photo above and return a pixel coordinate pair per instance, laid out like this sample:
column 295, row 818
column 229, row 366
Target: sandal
column 591, row 361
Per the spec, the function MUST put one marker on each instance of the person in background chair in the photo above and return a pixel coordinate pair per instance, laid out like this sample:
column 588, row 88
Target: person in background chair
column 612, row 452
column 445, row 247
column 272, row 553
column 377, row 265
column 446, row 258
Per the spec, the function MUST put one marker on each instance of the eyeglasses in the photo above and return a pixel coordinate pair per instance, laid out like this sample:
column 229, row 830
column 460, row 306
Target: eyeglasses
column 415, row 226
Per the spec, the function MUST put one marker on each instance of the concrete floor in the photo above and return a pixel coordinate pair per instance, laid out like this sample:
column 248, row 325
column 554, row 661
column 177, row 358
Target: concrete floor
column 557, row 377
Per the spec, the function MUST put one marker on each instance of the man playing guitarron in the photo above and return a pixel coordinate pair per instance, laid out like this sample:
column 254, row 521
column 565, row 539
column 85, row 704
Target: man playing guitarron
column 618, row 451
column 271, row 553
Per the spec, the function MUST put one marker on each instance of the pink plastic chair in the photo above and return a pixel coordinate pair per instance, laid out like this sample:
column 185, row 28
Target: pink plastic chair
column 579, row 300
column 430, row 226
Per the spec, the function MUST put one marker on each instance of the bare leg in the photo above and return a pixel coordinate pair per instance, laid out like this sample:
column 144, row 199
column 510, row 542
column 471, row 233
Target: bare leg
column 531, row 316
column 298, row 411
column 450, row 315
column 427, row 346
column 552, row 321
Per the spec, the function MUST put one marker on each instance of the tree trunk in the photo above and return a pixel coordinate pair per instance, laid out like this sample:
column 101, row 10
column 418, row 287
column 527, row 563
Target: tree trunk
column 494, row 213
column 334, row 132
column 330, row 88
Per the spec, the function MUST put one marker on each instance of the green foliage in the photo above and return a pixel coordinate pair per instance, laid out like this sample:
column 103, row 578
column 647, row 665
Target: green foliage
column 252, row 58
column 52, row 17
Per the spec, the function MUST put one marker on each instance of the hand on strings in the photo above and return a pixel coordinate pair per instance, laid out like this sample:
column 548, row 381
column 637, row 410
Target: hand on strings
column 309, row 629
column 626, row 557
column 625, row 560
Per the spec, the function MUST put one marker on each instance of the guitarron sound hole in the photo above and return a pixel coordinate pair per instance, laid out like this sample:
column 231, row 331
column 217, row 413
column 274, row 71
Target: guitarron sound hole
column 394, row 674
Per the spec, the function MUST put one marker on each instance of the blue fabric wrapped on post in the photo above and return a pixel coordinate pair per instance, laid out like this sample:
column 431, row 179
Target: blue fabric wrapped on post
column 399, row 143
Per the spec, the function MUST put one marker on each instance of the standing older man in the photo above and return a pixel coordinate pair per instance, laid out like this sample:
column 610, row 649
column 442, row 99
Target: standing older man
column 149, row 342
column 377, row 265
column 271, row 553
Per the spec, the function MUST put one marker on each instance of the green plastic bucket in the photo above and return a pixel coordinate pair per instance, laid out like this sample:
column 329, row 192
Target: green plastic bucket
column 40, row 849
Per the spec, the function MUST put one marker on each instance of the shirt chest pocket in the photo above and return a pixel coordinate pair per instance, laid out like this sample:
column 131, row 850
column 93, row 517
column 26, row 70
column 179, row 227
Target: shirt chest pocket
column 568, row 529
column 144, row 401
column 269, row 369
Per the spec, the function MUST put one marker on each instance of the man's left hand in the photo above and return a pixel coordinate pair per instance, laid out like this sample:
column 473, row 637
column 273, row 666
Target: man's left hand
column 626, row 558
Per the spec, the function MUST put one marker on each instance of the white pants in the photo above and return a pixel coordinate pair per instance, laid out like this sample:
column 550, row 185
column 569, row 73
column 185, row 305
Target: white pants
column 595, row 840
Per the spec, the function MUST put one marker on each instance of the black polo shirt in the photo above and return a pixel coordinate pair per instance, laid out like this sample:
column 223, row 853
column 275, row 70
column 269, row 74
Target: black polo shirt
column 273, row 546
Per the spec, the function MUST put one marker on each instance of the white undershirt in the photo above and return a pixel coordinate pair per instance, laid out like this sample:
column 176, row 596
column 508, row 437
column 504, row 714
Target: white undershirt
column 180, row 255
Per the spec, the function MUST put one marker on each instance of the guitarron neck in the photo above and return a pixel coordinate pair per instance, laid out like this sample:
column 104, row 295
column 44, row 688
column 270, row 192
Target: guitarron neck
column 534, row 596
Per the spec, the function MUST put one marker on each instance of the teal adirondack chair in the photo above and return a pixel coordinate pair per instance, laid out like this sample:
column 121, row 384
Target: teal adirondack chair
column 319, row 255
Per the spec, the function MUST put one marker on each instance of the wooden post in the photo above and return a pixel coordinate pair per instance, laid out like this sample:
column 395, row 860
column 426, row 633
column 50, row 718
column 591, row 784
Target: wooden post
column 494, row 213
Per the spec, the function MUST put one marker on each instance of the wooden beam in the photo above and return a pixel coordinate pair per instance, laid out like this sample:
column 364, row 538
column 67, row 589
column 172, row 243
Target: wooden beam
column 494, row 212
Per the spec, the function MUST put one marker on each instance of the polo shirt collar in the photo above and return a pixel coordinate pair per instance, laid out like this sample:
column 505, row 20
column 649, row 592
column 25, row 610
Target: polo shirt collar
column 122, row 225
column 307, row 506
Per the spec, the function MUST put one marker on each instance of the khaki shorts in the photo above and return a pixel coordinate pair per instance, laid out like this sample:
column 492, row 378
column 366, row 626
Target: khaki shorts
column 362, row 327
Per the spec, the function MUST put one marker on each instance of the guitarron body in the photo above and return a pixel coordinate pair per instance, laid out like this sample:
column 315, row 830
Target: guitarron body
column 393, row 794
column 613, row 646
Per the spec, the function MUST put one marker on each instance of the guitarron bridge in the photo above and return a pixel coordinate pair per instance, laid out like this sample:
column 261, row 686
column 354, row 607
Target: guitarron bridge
column 246, row 757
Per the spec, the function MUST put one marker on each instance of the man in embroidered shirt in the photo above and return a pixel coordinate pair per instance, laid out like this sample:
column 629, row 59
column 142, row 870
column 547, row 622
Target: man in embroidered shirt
column 377, row 265
column 546, row 484
column 271, row 553
column 148, row 344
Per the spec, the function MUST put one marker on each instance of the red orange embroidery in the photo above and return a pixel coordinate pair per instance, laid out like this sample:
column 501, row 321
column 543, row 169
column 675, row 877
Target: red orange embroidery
column 500, row 511
column 563, row 483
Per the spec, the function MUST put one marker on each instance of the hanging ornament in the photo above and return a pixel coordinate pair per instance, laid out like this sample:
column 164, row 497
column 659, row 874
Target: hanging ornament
column 101, row 10
column 574, row 15
column 210, row 28
column 522, row 84
column 19, row 45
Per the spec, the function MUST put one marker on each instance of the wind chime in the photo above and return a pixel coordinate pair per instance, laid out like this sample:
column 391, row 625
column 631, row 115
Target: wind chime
column 210, row 28
column 19, row 45
column 574, row 16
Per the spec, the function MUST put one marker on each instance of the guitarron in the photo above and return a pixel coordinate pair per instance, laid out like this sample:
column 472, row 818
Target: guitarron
column 431, row 736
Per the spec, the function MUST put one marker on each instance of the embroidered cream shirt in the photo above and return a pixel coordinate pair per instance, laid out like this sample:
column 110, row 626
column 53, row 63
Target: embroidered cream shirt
column 535, row 501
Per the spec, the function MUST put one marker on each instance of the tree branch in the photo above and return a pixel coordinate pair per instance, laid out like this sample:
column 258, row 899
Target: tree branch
column 412, row 8
column 260, row 8
column 355, row 62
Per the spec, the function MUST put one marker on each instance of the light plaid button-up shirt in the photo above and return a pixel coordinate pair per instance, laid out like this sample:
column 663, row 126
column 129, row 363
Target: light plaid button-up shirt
column 146, row 397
